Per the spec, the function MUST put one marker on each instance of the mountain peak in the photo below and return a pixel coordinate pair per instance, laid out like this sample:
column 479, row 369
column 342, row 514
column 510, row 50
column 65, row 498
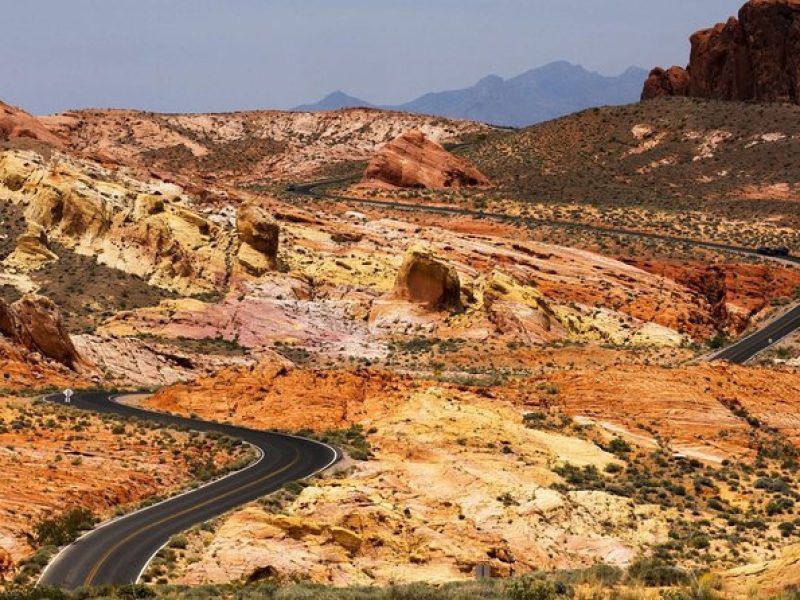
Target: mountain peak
column 543, row 93
column 490, row 81
column 338, row 95
column 334, row 101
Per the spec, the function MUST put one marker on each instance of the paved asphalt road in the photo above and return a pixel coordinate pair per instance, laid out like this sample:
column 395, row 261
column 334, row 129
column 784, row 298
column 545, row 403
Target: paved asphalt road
column 118, row 551
column 748, row 347
column 740, row 352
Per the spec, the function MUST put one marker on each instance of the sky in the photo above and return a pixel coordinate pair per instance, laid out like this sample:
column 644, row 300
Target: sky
column 220, row 55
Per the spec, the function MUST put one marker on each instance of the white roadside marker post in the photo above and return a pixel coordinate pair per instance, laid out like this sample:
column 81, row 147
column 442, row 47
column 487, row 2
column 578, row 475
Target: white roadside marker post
column 67, row 395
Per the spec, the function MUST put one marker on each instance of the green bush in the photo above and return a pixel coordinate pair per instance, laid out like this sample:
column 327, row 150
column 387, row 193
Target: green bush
column 64, row 528
column 36, row 593
column 655, row 572
column 619, row 447
column 179, row 542
column 533, row 588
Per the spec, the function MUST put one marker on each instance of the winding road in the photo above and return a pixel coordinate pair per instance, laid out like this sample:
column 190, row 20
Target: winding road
column 118, row 551
column 741, row 352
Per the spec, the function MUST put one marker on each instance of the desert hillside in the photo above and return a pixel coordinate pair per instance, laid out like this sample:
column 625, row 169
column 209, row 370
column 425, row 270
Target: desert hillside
column 673, row 153
column 248, row 147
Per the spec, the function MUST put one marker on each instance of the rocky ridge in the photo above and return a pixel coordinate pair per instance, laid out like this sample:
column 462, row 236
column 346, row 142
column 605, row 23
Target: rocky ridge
column 753, row 58
column 244, row 148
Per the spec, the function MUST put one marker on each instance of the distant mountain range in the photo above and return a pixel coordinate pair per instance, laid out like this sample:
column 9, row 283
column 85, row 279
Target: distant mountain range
column 541, row 94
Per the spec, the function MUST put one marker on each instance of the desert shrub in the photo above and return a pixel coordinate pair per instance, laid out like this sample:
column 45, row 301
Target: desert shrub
column 179, row 542
column 718, row 341
column 64, row 528
column 534, row 588
column 587, row 477
column 352, row 440
column 619, row 447
column 602, row 575
column 35, row 593
column 655, row 572
column 772, row 484
column 779, row 506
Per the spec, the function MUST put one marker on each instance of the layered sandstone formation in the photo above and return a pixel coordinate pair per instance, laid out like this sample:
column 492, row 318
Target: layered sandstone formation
column 148, row 229
column 753, row 58
column 338, row 298
column 339, row 397
column 457, row 478
column 431, row 504
column 768, row 577
column 150, row 363
column 415, row 161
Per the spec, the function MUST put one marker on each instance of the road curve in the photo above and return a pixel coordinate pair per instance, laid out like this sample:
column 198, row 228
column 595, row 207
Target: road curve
column 118, row 551
column 755, row 343
column 740, row 352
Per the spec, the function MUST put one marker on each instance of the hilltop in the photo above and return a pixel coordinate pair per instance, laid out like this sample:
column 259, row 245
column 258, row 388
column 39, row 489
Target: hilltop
column 674, row 153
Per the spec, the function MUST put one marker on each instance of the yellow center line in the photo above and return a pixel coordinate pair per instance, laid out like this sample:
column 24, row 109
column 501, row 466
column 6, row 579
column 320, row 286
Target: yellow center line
column 99, row 564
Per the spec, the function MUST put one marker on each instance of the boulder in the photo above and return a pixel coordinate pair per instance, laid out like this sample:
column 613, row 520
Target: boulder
column 666, row 82
column 415, row 161
column 295, row 527
column 259, row 236
column 428, row 280
column 41, row 328
column 753, row 58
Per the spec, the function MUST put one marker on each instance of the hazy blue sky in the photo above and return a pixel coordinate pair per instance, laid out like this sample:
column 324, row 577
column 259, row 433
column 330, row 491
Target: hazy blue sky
column 204, row 55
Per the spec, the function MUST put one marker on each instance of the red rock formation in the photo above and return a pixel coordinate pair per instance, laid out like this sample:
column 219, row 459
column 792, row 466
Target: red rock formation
column 17, row 124
column 429, row 281
column 753, row 58
column 34, row 322
column 415, row 161
column 670, row 82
